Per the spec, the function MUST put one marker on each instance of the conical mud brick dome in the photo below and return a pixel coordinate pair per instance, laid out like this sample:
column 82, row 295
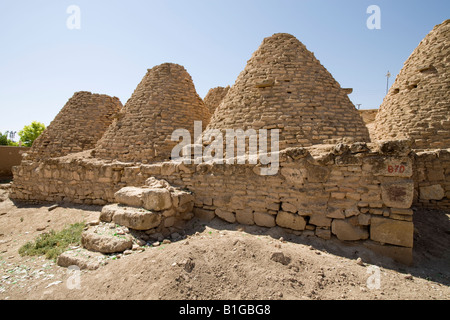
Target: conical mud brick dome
column 214, row 97
column 78, row 126
column 164, row 101
column 418, row 104
column 285, row 87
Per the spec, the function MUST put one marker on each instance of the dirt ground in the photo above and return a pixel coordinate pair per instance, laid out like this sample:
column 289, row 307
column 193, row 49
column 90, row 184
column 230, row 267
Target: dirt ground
column 220, row 261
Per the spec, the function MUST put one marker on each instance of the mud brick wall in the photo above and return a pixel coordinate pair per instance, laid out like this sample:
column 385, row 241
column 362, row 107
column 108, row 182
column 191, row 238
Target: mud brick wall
column 78, row 126
column 353, row 192
column 432, row 179
column 418, row 103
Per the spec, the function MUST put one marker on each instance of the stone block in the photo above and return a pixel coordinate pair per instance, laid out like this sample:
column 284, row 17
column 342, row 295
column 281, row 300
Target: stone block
column 434, row 192
column 105, row 240
column 435, row 174
column 400, row 254
column 82, row 258
column 245, row 216
column 263, row 219
column 203, row 214
column 107, row 213
column 156, row 199
column 289, row 207
column 396, row 232
column 335, row 213
column 323, row 233
column 181, row 198
column 405, row 212
column 320, row 220
column 317, row 173
column 293, row 176
column 130, row 196
column 290, row 220
column 136, row 218
column 389, row 166
column 398, row 194
column 226, row 215
column 364, row 219
column 348, row 230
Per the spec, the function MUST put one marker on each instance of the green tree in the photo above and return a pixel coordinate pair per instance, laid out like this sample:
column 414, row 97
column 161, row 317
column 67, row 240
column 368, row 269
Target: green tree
column 29, row 133
column 3, row 139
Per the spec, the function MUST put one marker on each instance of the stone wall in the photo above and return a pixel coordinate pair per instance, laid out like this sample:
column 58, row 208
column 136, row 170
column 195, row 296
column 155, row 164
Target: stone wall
column 352, row 192
column 78, row 126
column 432, row 179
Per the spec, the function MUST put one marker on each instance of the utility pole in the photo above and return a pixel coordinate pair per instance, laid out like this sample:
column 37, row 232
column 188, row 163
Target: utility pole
column 388, row 75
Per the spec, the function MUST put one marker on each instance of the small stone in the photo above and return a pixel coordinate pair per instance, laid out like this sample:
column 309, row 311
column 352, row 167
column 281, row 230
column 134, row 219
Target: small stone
column 156, row 244
column 127, row 252
column 359, row 262
column 93, row 223
column 409, row 277
column 140, row 242
column 41, row 228
column 166, row 241
column 120, row 232
column 53, row 207
column 280, row 258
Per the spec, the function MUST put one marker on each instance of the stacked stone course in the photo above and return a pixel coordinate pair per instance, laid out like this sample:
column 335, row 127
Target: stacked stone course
column 432, row 179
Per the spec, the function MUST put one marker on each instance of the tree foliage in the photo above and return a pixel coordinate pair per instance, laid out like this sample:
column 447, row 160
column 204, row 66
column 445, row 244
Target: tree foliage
column 3, row 139
column 29, row 133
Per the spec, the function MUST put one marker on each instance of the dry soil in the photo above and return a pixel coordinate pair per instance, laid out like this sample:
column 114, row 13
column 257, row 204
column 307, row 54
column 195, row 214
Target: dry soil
column 217, row 260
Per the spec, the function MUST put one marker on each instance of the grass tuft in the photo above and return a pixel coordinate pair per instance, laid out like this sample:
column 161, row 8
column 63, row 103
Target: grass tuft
column 52, row 244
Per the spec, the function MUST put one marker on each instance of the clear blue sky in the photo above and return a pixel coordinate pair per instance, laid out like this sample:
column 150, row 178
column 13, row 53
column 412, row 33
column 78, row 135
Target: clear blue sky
column 42, row 62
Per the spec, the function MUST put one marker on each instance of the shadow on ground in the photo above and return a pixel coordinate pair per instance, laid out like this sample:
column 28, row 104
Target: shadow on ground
column 431, row 244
